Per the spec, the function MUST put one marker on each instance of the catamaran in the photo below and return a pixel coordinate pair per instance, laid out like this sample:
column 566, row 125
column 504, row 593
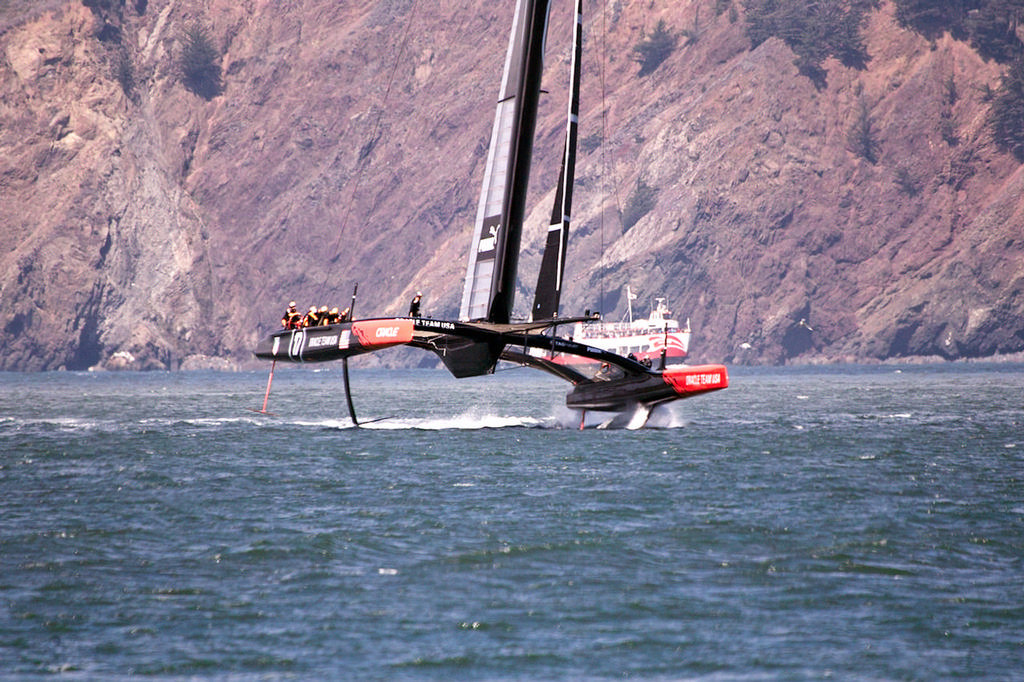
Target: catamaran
column 485, row 332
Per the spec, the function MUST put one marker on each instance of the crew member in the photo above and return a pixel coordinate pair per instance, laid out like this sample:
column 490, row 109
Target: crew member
column 324, row 316
column 312, row 318
column 334, row 316
column 414, row 307
column 345, row 314
column 291, row 317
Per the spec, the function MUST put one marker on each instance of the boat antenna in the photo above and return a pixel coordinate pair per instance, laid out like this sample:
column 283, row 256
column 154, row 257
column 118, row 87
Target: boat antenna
column 352, row 306
column 367, row 149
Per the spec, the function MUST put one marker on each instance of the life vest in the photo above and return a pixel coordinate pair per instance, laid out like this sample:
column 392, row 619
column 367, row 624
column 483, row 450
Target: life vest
column 291, row 319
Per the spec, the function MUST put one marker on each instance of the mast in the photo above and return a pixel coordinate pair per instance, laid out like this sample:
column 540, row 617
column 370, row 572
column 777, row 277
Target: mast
column 489, row 291
column 552, row 267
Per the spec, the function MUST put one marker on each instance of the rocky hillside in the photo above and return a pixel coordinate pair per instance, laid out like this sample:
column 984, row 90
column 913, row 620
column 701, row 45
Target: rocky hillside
column 151, row 223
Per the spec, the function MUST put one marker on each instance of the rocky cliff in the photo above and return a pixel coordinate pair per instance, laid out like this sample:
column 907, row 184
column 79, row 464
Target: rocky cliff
column 147, row 224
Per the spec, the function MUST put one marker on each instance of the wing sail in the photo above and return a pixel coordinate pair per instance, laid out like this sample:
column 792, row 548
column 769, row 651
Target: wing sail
column 552, row 268
column 494, row 252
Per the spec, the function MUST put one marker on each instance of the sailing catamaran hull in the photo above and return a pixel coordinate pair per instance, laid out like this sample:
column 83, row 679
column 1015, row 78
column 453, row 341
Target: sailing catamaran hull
column 335, row 341
column 648, row 390
column 474, row 348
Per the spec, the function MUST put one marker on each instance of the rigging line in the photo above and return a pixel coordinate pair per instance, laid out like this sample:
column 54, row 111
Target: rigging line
column 604, row 144
column 608, row 166
column 363, row 159
column 514, row 366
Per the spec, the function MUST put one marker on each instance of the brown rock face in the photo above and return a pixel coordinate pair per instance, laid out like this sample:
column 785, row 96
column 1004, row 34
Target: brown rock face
column 145, row 226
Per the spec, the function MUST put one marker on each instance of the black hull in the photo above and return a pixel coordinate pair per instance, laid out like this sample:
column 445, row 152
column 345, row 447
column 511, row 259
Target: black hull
column 474, row 348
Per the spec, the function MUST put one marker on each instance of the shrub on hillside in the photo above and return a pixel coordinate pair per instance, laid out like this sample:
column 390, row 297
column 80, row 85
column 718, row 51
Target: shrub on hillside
column 950, row 93
column 906, row 182
column 642, row 202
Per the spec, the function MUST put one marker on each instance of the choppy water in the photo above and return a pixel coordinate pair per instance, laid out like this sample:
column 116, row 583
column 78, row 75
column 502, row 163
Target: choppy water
column 849, row 524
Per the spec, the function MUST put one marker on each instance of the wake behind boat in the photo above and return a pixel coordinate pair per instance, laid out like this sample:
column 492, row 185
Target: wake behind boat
column 602, row 379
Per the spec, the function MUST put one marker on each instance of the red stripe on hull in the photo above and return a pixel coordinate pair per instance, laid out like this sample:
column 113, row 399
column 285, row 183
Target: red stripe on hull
column 697, row 379
column 376, row 333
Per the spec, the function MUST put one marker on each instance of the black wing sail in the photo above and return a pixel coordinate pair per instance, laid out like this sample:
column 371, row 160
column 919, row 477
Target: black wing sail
column 552, row 268
column 494, row 253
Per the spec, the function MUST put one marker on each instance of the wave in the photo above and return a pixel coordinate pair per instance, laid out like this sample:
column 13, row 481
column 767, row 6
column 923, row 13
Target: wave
column 469, row 421
column 561, row 418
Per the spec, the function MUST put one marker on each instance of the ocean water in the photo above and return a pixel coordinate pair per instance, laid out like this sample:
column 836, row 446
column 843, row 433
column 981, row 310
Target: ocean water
column 855, row 523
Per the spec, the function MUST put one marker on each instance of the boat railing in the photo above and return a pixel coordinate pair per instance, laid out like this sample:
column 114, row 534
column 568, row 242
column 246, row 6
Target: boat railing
column 620, row 329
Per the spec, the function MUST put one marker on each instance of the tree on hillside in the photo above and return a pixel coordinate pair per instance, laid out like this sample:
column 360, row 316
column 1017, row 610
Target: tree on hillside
column 860, row 138
column 1006, row 117
column 993, row 28
column 124, row 72
column 654, row 49
column 814, row 30
column 990, row 25
column 199, row 59
column 844, row 39
column 931, row 18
